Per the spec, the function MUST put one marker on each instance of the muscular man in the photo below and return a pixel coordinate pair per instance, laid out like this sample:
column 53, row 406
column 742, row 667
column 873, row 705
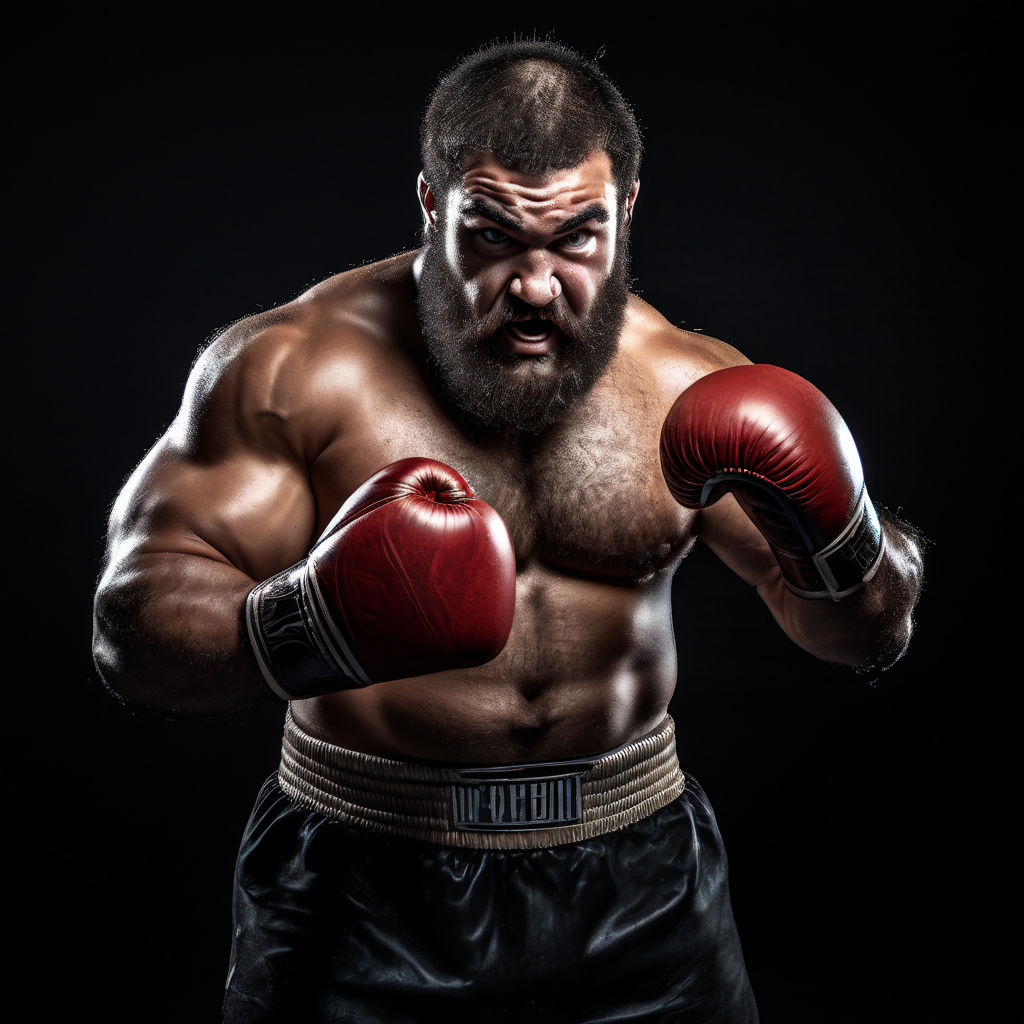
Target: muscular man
column 479, row 810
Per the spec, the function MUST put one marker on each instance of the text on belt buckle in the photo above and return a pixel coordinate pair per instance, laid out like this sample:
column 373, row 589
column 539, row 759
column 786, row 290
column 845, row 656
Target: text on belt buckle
column 517, row 804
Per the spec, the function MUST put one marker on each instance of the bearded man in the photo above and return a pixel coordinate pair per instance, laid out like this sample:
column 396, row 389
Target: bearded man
column 436, row 504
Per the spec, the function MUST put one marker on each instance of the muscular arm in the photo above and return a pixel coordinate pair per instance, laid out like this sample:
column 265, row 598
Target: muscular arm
column 732, row 419
column 869, row 629
column 222, row 501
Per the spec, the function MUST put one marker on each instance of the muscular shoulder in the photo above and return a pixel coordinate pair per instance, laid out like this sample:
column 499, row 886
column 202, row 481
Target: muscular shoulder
column 282, row 379
column 672, row 356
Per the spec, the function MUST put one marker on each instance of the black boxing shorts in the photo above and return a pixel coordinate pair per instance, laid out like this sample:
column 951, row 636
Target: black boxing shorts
column 386, row 892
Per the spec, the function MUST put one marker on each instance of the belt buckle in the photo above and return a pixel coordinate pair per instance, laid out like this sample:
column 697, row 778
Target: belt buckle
column 516, row 798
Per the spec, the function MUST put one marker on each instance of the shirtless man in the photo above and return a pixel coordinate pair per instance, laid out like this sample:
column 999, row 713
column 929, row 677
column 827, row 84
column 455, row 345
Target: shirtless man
column 479, row 809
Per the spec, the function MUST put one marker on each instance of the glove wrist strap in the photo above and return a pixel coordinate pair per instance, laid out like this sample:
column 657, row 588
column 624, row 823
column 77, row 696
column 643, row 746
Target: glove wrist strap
column 299, row 648
column 852, row 559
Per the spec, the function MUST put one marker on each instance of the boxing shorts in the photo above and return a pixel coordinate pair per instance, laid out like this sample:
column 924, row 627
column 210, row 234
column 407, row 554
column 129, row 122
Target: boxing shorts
column 389, row 892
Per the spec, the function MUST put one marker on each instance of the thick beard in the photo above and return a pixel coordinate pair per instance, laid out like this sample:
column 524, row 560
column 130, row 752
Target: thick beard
column 499, row 389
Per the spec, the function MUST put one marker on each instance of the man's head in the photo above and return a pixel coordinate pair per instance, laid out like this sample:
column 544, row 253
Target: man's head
column 530, row 158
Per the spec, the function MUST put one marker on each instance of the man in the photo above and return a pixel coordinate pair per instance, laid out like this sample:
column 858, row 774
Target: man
column 505, row 456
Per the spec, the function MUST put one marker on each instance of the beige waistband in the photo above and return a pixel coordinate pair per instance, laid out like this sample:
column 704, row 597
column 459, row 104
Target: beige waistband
column 499, row 807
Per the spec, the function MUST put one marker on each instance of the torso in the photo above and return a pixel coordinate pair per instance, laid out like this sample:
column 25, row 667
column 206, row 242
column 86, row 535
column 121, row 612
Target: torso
column 591, row 660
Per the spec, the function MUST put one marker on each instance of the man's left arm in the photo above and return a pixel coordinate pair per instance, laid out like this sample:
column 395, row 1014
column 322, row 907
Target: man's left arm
column 778, row 479
column 868, row 629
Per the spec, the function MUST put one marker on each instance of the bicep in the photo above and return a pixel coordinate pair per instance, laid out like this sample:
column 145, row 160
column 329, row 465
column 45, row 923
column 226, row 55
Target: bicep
column 252, row 510
column 254, row 513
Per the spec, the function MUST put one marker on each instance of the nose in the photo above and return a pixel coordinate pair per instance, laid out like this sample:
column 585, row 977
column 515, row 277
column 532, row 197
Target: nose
column 535, row 281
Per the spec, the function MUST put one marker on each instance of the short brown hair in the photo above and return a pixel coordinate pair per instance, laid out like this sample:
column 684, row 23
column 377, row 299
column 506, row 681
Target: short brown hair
column 537, row 105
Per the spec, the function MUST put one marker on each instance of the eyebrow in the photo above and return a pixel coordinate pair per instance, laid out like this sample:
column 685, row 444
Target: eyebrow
column 492, row 211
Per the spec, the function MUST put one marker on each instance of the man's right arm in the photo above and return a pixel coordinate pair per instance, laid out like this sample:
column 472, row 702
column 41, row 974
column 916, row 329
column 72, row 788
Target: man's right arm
column 413, row 575
column 222, row 501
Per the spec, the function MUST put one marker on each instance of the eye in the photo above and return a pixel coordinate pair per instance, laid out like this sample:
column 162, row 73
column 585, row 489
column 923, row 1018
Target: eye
column 493, row 236
column 575, row 239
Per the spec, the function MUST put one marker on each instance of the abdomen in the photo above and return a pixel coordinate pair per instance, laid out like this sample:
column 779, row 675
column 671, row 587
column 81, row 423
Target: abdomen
column 590, row 665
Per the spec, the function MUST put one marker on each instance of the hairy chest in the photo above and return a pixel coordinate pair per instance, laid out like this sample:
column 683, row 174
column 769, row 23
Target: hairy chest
column 586, row 497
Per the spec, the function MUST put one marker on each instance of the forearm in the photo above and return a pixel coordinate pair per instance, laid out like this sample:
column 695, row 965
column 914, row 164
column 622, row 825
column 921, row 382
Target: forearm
column 869, row 629
column 169, row 632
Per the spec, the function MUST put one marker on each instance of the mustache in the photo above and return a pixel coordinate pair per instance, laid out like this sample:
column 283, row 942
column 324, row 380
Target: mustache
column 511, row 310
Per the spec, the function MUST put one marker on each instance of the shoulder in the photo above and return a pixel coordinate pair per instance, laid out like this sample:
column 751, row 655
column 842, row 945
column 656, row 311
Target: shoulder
column 284, row 376
column 672, row 356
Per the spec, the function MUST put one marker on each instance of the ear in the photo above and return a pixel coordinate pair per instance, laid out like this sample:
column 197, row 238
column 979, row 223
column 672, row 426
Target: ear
column 630, row 200
column 428, row 206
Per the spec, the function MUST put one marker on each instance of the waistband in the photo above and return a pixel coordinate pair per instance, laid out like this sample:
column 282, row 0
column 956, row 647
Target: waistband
column 490, row 807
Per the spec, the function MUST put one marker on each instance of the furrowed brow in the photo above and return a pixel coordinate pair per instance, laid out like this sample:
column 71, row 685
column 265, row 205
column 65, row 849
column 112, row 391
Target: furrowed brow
column 483, row 208
column 593, row 212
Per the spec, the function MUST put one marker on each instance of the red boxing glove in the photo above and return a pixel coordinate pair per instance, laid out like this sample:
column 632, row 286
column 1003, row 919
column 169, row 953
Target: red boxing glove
column 778, row 445
column 415, row 574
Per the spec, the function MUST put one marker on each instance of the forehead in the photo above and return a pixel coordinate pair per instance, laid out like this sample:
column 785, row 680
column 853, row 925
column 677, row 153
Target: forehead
column 541, row 198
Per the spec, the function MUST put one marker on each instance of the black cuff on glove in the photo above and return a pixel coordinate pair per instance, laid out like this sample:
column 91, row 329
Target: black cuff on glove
column 299, row 648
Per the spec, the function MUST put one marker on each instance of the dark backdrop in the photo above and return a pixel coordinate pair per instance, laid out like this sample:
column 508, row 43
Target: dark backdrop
column 823, row 187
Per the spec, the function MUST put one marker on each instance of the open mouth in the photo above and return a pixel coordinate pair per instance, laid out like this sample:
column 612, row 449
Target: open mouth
column 532, row 337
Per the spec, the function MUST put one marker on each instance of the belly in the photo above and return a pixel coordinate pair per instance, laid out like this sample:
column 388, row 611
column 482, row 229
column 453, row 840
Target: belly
column 590, row 665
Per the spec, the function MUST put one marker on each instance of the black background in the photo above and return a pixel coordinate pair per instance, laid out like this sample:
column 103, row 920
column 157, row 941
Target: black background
column 824, row 186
